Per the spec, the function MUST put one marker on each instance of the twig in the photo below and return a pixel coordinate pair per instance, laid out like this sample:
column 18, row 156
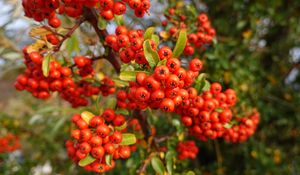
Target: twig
column 92, row 17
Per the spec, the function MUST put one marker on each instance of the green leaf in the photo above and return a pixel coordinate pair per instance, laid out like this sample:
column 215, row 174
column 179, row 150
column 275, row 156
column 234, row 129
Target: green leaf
column 120, row 83
column 108, row 159
column 190, row 173
column 199, row 82
column 122, row 111
column 149, row 32
column 102, row 23
column 119, row 20
column 155, row 38
column 150, row 54
column 206, row 86
column 169, row 160
column 128, row 139
column 128, row 75
column 119, row 128
column 180, row 44
column 230, row 124
column 157, row 165
column 46, row 65
column 219, row 110
column 87, row 160
column 72, row 44
column 162, row 62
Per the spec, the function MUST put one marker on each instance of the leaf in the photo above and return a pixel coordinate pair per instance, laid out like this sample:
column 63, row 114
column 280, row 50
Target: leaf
column 155, row 38
column 128, row 139
column 151, row 55
column 190, row 173
column 120, row 83
column 86, row 161
column 87, row 116
column 128, row 75
column 108, row 159
column 169, row 160
column 149, row 32
column 39, row 32
column 72, row 45
column 180, row 44
column 219, row 110
column 46, row 65
column 102, row 23
column 157, row 165
column 199, row 82
column 162, row 62
column 36, row 46
column 119, row 20
column 119, row 128
column 122, row 111
column 206, row 86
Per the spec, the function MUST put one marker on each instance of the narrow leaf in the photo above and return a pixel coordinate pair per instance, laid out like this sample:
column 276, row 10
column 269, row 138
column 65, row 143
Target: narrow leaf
column 190, row 173
column 102, row 23
column 46, row 65
column 157, row 165
column 72, row 45
column 39, row 32
column 151, row 55
column 162, row 62
column 119, row 128
column 86, row 161
column 155, row 38
column 87, row 116
column 128, row 75
column 108, row 159
column 128, row 139
column 169, row 160
column 206, row 86
column 149, row 32
column 122, row 111
column 119, row 20
column 180, row 44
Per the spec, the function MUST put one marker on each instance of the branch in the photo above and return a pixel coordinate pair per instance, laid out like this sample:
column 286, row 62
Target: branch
column 92, row 17
column 65, row 37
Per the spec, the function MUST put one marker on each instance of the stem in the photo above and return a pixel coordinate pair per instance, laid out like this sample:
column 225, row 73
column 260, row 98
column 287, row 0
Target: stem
column 65, row 37
column 92, row 17
column 219, row 156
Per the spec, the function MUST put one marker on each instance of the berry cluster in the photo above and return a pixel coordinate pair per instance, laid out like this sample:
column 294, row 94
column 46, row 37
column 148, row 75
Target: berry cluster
column 97, row 137
column 211, row 111
column 128, row 43
column 242, row 131
column 9, row 143
column 40, row 10
column 187, row 149
column 202, row 35
column 61, row 79
column 165, row 89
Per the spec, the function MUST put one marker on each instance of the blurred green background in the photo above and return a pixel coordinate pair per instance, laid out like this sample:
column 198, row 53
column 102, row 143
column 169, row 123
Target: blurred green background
column 257, row 54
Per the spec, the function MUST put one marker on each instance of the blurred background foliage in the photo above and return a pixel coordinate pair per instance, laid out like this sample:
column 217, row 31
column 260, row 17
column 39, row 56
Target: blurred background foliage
column 257, row 54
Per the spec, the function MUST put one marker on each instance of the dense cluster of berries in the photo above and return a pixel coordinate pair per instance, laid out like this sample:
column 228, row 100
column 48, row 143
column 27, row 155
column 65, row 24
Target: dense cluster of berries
column 187, row 149
column 97, row 137
column 40, row 10
column 9, row 143
column 60, row 80
column 211, row 113
column 202, row 35
column 128, row 43
column 165, row 89
column 242, row 131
